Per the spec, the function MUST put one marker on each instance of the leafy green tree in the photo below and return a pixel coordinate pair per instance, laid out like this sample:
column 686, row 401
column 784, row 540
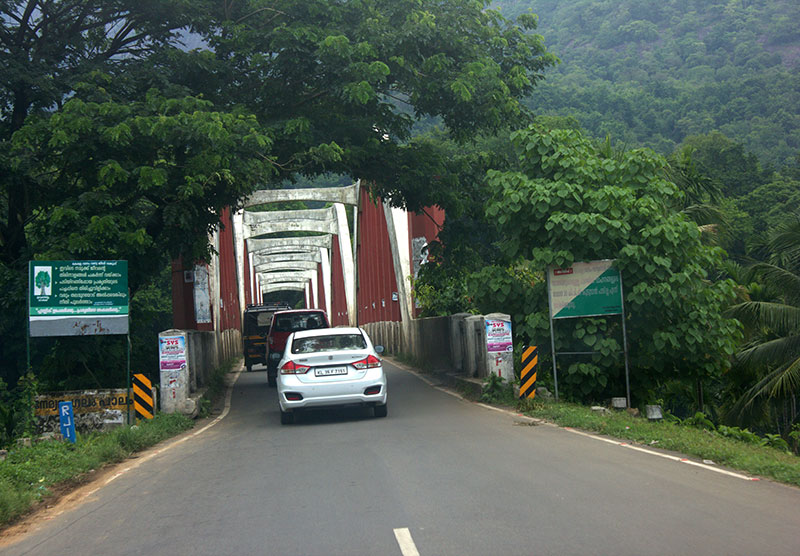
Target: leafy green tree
column 339, row 85
column 732, row 171
column 140, row 181
column 771, row 357
column 46, row 48
column 117, row 144
column 568, row 202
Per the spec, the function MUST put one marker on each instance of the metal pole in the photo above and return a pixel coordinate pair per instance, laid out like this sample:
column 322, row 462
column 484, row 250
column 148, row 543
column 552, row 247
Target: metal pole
column 552, row 336
column 128, row 342
column 625, row 343
column 28, row 318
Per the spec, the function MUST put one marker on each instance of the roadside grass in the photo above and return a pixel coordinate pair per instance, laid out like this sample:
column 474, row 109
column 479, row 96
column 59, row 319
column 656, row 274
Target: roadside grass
column 764, row 461
column 29, row 474
column 216, row 386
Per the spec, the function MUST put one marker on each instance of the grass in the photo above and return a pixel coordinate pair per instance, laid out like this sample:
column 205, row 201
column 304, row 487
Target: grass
column 216, row 386
column 750, row 458
column 28, row 473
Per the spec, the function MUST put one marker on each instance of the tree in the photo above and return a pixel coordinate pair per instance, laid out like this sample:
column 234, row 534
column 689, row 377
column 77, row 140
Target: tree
column 568, row 201
column 46, row 47
column 346, row 81
column 136, row 180
column 118, row 144
column 771, row 357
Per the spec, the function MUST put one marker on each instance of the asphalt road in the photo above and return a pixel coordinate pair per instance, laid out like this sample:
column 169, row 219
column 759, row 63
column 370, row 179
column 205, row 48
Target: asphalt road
column 438, row 476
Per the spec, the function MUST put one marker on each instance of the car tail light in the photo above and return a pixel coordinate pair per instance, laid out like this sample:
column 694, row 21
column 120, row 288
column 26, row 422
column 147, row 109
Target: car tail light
column 368, row 363
column 292, row 368
column 293, row 396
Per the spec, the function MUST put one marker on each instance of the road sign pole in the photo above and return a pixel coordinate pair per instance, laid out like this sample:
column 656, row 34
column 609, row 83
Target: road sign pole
column 128, row 405
column 67, row 421
column 552, row 336
column 27, row 318
column 625, row 342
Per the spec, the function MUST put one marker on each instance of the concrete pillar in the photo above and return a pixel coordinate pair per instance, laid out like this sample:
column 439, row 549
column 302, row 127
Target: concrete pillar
column 473, row 337
column 499, row 355
column 457, row 340
column 174, row 359
column 348, row 265
column 325, row 261
column 397, row 225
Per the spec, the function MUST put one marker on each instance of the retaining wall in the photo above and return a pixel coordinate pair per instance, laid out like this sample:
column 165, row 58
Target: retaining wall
column 453, row 344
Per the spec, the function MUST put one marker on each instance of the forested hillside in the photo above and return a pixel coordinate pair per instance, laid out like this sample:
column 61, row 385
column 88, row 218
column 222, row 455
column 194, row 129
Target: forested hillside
column 652, row 72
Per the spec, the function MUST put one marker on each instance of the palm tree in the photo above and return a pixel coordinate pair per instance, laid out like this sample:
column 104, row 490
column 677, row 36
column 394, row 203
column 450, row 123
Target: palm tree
column 773, row 326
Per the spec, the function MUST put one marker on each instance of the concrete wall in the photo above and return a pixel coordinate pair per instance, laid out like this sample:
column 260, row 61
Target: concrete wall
column 206, row 350
column 454, row 344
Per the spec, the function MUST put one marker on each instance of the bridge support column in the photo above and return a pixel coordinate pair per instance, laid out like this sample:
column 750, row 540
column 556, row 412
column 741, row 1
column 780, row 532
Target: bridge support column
column 348, row 266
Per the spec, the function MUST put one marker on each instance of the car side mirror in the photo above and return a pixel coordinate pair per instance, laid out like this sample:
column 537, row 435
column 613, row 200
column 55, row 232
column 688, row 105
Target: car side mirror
column 378, row 349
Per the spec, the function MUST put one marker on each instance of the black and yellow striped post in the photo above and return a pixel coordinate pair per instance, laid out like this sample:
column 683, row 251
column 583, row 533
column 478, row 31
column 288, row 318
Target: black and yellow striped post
column 527, row 378
column 142, row 397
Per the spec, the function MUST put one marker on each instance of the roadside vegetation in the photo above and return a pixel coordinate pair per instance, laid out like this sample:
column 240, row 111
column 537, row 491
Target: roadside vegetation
column 696, row 436
column 767, row 456
column 30, row 473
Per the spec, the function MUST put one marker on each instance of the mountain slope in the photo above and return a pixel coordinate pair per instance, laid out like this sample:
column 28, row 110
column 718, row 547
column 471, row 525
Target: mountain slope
column 650, row 72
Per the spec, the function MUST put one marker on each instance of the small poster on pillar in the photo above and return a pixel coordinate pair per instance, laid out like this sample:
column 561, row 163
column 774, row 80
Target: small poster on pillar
column 498, row 335
column 202, row 299
column 172, row 353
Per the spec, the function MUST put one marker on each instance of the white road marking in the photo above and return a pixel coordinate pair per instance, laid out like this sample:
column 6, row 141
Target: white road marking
column 608, row 440
column 407, row 546
column 155, row 453
column 661, row 455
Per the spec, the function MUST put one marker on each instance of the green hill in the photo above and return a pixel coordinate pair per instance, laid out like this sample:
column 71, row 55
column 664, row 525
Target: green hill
column 652, row 72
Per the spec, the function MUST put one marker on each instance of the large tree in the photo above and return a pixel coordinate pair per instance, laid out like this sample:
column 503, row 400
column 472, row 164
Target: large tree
column 46, row 47
column 115, row 141
column 349, row 79
column 570, row 200
column 768, row 367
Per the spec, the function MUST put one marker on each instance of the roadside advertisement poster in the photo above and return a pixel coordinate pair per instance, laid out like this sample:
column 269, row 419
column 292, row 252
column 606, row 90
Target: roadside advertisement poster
column 202, row 298
column 585, row 290
column 77, row 298
column 498, row 335
column 172, row 353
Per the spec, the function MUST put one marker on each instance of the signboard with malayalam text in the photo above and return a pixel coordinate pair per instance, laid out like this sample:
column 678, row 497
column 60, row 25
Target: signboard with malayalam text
column 585, row 290
column 78, row 298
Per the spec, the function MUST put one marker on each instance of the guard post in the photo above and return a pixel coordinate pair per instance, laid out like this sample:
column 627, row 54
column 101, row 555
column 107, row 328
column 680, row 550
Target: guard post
column 142, row 397
column 527, row 377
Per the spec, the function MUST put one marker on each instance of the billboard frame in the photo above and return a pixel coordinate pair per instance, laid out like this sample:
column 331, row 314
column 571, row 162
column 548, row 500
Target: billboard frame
column 552, row 318
column 106, row 286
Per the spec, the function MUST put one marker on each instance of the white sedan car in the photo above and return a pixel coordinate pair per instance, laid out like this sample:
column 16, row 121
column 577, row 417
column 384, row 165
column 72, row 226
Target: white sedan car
column 330, row 367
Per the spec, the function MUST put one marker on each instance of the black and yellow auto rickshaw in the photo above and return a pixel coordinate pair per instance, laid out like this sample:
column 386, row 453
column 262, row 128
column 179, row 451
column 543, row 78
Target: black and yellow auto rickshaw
column 257, row 319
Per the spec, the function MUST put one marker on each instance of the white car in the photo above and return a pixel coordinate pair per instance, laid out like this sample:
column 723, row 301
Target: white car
column 330, row 367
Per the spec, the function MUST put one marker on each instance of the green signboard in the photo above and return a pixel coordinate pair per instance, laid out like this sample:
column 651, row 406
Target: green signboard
column 585, row 290
column 68, row 298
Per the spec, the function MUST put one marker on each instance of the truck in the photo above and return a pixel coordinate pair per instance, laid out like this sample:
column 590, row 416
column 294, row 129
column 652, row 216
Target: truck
column 257, row 320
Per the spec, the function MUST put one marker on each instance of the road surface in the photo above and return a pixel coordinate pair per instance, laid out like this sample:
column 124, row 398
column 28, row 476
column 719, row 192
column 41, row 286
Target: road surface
column 439, row 476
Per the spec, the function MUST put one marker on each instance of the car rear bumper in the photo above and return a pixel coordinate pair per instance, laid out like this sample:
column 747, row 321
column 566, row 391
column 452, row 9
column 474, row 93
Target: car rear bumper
column 331, row 394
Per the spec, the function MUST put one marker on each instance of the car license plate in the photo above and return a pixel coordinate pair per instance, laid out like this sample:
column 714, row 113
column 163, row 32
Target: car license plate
column 331, row 371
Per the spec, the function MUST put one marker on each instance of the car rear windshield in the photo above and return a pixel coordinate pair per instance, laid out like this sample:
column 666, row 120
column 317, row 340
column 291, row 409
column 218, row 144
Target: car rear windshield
column 299, row 321
column 335, row 342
